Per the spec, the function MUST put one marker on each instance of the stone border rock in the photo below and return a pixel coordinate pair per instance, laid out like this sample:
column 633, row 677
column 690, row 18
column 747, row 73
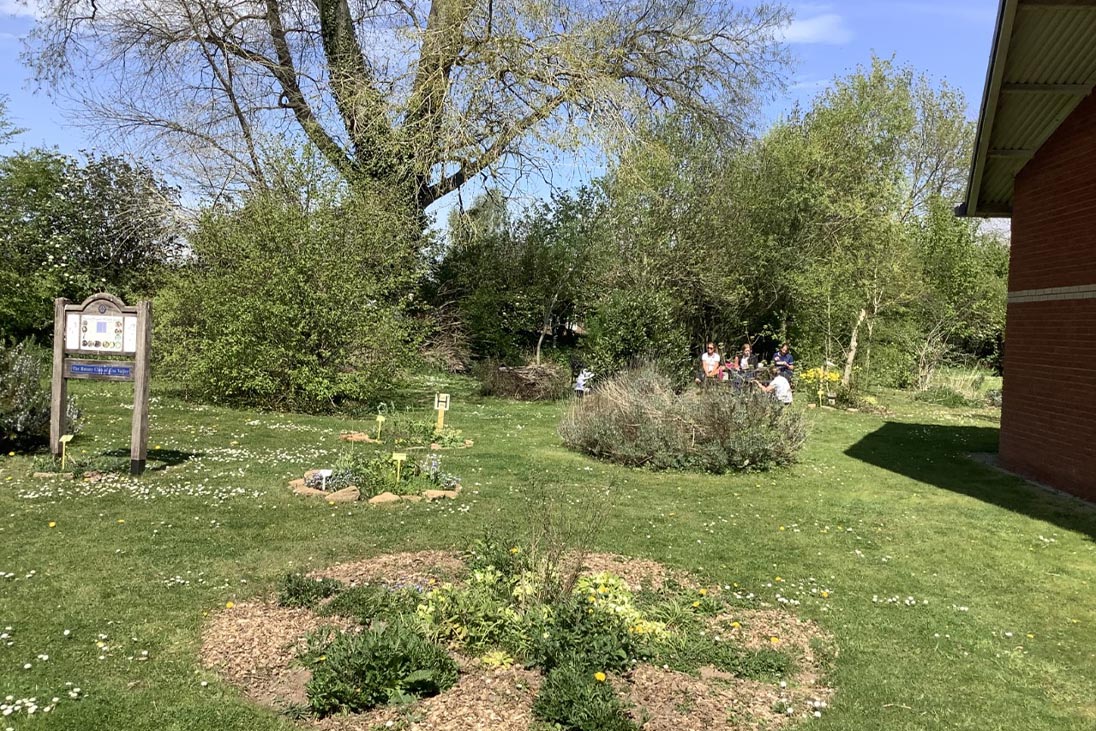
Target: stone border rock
column 352, row 494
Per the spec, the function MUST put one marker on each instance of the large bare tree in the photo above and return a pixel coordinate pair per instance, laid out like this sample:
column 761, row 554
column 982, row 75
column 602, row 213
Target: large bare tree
column 421, row 94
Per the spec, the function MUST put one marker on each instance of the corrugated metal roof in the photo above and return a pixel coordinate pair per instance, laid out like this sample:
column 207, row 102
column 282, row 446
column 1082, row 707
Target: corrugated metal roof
column 1043, row 63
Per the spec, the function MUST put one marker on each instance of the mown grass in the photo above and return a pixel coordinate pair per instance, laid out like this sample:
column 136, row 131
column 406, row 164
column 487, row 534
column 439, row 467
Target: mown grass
column 1002, row 634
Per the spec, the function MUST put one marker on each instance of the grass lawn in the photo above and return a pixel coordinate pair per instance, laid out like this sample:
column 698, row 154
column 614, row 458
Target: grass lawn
column 960, row 598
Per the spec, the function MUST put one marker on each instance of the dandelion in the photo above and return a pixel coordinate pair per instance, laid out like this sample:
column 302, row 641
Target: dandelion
column 696, row 604
column 121, row 521
column 736, row 625
column 515, row 550
column 53, row 524
column 229, row 605
column 703, row 592
column 774, row 640
column 599, row 676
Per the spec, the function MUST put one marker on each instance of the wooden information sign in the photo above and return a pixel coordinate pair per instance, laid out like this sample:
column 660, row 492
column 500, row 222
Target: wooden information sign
column 102, row 325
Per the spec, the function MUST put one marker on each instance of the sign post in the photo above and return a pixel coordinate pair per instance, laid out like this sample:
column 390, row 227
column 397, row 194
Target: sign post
column 399, row 458
column 102, row 325
column 441, row 404
column 380, row 425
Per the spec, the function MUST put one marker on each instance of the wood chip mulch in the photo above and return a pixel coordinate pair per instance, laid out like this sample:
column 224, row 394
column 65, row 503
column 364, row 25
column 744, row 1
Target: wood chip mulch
column 397, row 569
column 482, row 700
column 636, row 572
column 254, row 646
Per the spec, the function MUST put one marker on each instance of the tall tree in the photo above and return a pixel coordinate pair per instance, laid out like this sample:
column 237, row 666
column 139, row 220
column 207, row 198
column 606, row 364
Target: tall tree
column 419, row 94
column 70, row 228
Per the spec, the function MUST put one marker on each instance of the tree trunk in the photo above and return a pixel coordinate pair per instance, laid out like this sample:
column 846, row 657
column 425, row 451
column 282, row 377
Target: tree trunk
column 846, row 377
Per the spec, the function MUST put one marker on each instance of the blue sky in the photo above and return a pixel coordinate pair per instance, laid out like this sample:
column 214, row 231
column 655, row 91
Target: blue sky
column 946, row 40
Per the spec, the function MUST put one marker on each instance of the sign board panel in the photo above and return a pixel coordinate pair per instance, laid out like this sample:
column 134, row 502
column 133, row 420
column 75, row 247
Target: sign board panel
column 100, row 333
column 113, row 370
column 441, row 402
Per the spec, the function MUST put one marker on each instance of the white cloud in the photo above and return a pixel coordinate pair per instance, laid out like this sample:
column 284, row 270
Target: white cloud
column 828, row 28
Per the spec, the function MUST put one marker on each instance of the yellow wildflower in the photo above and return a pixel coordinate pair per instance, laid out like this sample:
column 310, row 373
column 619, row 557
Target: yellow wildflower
column 736, row 625
column 825, row 595
column 229, row 605
column 774, row 640
column 599, row 676
column 52, row 524
column 121, row 521
column 696, row 604
column 703, row 592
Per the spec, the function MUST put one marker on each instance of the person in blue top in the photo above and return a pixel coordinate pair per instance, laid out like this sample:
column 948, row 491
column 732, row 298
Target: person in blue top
column 784, row 361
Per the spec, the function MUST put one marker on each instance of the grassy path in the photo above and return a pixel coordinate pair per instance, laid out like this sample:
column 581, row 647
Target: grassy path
column 960, row 598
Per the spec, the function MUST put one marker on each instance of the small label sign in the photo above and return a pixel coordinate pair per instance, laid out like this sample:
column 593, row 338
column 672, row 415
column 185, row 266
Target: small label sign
column 441, row 402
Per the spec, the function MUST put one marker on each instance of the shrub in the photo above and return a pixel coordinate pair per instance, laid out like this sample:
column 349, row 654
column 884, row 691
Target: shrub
column 944, row 396
column 25, row 399
column 372, row 602
column 545, row 382
column 577, row 699
column 633, row 325
column 298, row 590
column 288, row 306
column 375, row 472
column 636, row 419
column 383, row 664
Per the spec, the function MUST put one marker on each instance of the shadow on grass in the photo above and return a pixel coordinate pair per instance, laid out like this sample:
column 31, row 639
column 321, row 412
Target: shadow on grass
column 936, row 454
column 158, row 459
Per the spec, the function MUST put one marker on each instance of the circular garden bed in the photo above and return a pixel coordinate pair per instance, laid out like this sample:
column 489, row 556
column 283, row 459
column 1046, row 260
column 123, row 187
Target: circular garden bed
column 503, row 639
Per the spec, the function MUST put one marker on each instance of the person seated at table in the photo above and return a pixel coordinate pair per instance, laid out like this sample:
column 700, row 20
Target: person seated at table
column 710, row 363
column 729, row 370
column 785, row 362
column 746, row 359
column 778, row 387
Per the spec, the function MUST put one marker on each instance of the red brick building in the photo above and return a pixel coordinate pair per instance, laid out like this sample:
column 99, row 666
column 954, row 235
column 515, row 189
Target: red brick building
column 1035, row 161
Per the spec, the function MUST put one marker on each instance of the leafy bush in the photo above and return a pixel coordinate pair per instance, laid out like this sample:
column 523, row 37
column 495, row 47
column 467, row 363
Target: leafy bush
column 575, row 699
column 544, row 382
column 994, row 398
column 294, row 306
column 944, row 396
column 298, row 590
column 633, row 325
column 583, row 634
column 381, row 665
column 636, row 419
column 375, row 472
column 372, row 602
column 25, row 399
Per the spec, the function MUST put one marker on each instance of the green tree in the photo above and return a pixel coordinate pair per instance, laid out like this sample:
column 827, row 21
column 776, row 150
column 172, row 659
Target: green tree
column 69, row 228
column 295, row 302
column 417, row 96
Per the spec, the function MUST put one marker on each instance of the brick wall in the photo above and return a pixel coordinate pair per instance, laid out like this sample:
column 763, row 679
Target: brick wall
column 1048, row 423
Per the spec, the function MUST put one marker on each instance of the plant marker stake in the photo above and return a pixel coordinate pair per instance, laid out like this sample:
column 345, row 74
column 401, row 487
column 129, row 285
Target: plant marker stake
column 64, row 442
column 380, row 423
column 398, row 458
column 441, row 403
column 324, row 474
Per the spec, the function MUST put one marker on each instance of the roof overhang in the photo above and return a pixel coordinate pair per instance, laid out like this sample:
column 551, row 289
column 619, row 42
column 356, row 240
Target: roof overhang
column 1043, row 63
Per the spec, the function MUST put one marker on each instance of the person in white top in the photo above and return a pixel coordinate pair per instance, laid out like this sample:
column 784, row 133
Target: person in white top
column 709, row 364
column 778, row 387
